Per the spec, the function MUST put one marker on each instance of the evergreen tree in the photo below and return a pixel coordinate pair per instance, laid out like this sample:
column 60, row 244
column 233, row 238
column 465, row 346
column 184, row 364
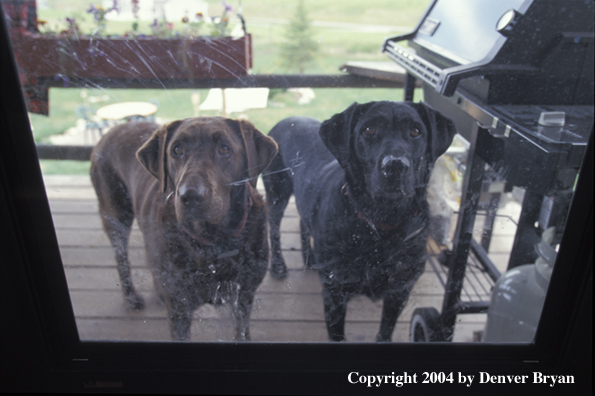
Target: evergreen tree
column 300, row 46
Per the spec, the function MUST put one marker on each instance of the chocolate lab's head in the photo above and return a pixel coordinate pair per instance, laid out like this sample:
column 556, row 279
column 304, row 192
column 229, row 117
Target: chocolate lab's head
column 207, row 163
column 388, row 148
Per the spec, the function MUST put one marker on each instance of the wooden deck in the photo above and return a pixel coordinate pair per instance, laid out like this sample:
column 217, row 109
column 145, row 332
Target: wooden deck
column 287, row 310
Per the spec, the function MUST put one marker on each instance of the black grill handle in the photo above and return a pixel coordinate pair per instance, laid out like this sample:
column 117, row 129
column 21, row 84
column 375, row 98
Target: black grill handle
column 445, row 81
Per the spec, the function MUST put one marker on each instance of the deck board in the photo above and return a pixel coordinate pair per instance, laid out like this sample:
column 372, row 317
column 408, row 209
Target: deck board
column 288, row 310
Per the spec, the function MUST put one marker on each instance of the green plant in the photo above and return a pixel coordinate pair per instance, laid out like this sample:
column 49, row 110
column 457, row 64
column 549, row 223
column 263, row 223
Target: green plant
column 135, row 8
column 299, row 47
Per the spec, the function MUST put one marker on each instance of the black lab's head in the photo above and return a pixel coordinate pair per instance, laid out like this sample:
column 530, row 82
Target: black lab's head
column 207, row 162
column 388, row 148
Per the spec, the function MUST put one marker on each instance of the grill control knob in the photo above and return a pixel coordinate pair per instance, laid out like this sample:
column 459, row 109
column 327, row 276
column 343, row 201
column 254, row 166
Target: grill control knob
column 507, row 22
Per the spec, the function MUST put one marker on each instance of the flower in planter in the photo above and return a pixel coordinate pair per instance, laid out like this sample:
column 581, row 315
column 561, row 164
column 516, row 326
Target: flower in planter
column 99, row 16
column 43, row 26
column 228, row 8
column 162, row 29
column 221, row 24
column 193, row 27
column 72, row 29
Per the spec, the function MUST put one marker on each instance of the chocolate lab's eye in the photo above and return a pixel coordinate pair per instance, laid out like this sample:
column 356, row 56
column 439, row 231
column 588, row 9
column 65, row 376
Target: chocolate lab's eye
column 178, row 151
column 370, row 131
column 414, row 132
column 224, row 149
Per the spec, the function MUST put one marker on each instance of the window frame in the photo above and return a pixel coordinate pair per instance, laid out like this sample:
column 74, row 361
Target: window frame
column 43, row 352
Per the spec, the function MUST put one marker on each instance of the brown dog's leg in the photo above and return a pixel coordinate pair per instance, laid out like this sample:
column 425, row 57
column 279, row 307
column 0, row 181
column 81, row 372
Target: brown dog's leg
column 241, row 309
column 118, row 233
column 117, row 216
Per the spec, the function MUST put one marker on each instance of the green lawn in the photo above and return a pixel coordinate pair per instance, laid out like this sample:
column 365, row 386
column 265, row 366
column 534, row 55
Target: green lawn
column 337, row 46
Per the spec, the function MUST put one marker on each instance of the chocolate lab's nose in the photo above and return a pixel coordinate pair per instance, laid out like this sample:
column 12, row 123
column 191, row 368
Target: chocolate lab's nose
column 392, row 166
column 193, row 195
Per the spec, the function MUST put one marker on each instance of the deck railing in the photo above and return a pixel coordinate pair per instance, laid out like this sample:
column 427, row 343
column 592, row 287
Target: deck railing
column 282, row 81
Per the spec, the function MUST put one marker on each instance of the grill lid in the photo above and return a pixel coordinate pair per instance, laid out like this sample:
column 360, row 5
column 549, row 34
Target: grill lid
column 526, row 42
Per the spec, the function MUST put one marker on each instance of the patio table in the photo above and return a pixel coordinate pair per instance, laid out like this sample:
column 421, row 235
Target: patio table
column 126, row 110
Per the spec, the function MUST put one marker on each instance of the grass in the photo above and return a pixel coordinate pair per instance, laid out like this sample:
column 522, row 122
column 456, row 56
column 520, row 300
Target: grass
column 337, row 46
column 64, row 167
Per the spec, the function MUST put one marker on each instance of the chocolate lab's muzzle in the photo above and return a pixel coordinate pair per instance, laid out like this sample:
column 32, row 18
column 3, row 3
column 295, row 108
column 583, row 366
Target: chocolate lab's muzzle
column 192, row 197
column 197, row 203
column 200, row 197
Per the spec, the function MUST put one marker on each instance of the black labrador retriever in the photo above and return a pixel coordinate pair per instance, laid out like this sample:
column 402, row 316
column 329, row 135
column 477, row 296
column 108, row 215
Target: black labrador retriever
column 191, row 187
column 359, row 181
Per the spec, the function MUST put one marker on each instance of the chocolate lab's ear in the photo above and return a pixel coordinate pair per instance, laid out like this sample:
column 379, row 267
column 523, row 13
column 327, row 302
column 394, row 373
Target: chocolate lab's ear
column 336, row 132
column 260, row 149
column 153, row 154
column 441, row 130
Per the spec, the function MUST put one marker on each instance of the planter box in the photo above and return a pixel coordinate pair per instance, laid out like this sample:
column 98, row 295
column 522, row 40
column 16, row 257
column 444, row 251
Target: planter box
column 149, row 57
column 40, row 58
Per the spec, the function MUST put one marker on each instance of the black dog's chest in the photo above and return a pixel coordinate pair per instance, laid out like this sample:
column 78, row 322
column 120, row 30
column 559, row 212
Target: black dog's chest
column 370, row 262
column 368, row 235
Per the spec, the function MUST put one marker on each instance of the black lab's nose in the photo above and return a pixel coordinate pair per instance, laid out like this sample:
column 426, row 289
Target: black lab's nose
column 392, row 166
column 193, row 196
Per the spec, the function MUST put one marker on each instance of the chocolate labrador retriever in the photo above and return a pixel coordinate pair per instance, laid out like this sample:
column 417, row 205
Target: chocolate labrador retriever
column 359, row 181
column 190, row 185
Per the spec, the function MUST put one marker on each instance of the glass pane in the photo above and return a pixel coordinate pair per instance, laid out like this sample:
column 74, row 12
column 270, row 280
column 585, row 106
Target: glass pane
column 493, row 208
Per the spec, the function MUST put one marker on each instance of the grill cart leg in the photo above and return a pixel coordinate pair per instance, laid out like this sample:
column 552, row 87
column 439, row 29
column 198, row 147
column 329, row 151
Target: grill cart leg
column 527, row 235
column 472, row 184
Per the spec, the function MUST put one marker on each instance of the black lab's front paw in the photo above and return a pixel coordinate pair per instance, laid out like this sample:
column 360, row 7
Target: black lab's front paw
column 278, row 269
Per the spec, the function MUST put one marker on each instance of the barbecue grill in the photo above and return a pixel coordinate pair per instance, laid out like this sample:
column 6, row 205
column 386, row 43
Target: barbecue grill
column 516, row 77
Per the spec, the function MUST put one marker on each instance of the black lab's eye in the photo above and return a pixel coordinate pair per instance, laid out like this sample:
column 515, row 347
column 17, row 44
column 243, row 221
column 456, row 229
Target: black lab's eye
column 370, row 131
column 414, row 132
column 224, row 149
column 177, row 151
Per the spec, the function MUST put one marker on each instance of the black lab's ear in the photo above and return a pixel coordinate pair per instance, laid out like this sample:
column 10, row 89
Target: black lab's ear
column 153, row 154
column 260, row 149
column 336, row 133
column 441, row 130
